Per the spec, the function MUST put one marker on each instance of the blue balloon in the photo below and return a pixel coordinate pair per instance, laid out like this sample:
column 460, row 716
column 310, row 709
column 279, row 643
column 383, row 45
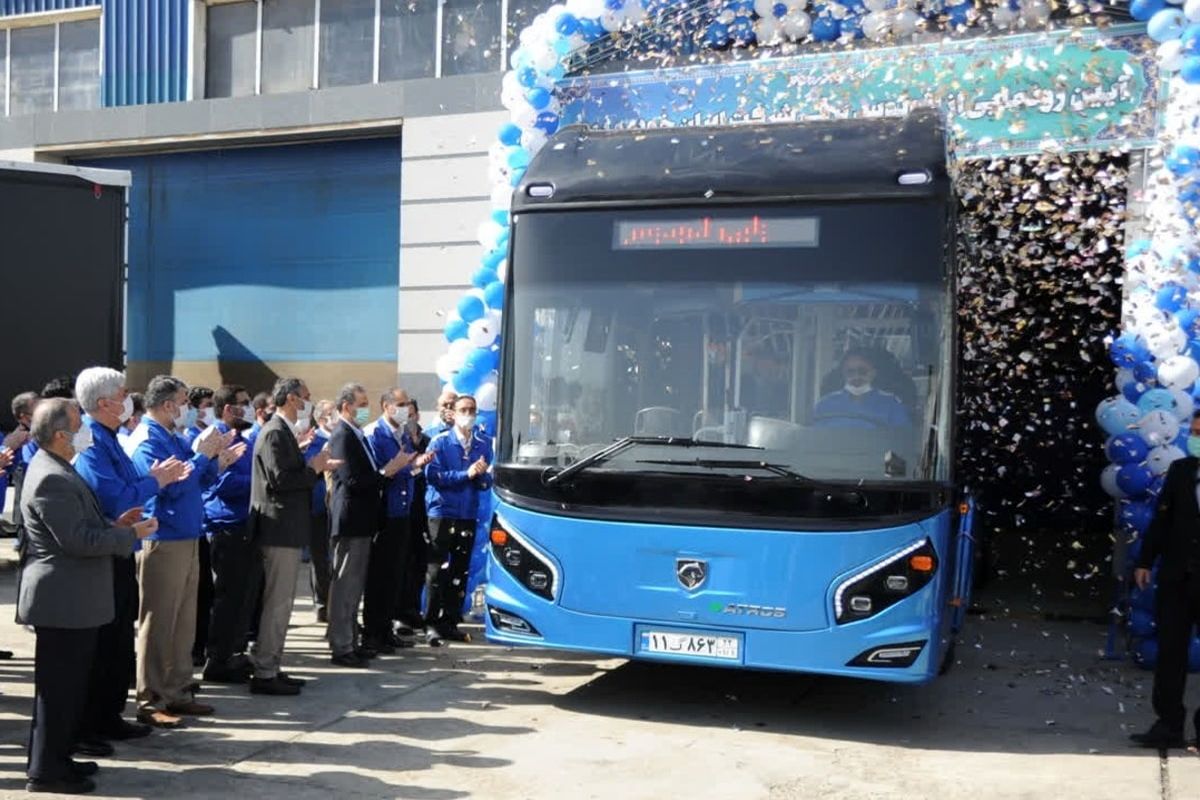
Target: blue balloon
column 743, row 7
column 561, row 45
column 470, row 308
column 527, row 77
column 1194, row 655
column 1126, row 448
column 538, row 97
column 614, row 5
column 1127, row 349
column 1145, row 653
column 1137, row 515
column 1190, row 38
column 1186, row 319
column 1190, row 71
column 825, row 28
column 1134, row 550
column 1182, row 159
column 515, row 176
column 1171, row 297
column 591, row 30
column 467, row 379
column 959, row 15
column 851, row 25
column 510, row 134
column 481, row 360
column 493, row 294
column 482, row 277
column 1141, row 623
column 500, row 216
column 741, row 30
column 1134, row 390
column 567, row 24
column 1137, row 247
column 1134, row 479
column 1145, row 371
column 1143, row 598
column 1114, row 415
column 548, row 122
column 1166, row 24
column 487, row 420
column 518, row 158
column 492, row 258
column 455, row 329
column 1143, row 10
column 1156, row 400
column 779, row 10
column 557, row 71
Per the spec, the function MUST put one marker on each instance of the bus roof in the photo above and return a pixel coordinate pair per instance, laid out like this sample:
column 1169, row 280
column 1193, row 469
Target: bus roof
column 838, row 159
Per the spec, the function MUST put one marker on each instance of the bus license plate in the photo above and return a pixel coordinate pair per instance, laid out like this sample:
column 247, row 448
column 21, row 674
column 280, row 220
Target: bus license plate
column 704, row 645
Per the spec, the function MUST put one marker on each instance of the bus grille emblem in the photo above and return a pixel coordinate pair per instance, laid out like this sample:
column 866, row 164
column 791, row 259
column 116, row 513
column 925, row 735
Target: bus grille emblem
column 691, row 572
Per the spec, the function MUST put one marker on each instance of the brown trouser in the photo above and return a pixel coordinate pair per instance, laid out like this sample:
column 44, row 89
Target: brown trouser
column 168, row 574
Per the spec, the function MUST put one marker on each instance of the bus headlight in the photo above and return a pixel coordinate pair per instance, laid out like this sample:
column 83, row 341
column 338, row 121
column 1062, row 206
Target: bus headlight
column 519, row 558
column 885, row 583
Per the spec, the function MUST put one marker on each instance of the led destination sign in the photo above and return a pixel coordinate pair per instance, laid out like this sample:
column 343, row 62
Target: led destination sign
column 712, row 233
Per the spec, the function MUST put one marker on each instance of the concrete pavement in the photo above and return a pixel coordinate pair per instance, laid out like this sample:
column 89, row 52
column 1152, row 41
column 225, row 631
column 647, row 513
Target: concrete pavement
column 1030, row 711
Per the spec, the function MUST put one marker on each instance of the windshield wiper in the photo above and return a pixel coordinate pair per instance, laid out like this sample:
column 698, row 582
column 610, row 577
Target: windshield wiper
column 713, row 463
column 626, row 442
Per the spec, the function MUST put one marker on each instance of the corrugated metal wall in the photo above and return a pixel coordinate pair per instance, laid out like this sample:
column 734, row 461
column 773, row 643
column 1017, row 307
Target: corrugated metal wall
column 145, row 46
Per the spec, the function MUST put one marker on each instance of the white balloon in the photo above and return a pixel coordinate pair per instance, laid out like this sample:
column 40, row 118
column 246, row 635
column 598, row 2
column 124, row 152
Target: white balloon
column 533, row 140
column 502, row 196
column 795, row 5
column 1158, row 428
column 1191, row 10
column 1165, row 341
column 1124, row 378
column 877, row 25
column 502, row 271
column 494, row 317
column 545, row 59
column 767, row 30
column 797, row 24
column 480, row 333
column 879, row 5
column 905, row 22
column 485, row 396
column 488, row 231
column 1035, row 13
column 1108, row 480
column 611, row 21
column 1003, row 17
column 635, row 12
column 1170, row 54
column 1185, row 406
column 443, row 367
column 457, row 354
column 525, row 116
column 764, row 8
column 1178, row 372
column 1160, row 458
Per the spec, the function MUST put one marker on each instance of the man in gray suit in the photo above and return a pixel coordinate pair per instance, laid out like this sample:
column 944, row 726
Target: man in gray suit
column 280, row 500
column 65, row 590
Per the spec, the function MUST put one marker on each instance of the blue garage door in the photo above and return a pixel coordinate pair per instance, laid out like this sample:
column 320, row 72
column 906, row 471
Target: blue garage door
column 270, row 254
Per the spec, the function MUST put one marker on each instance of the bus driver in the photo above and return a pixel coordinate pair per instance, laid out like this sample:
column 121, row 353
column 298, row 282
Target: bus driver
column 858, row 404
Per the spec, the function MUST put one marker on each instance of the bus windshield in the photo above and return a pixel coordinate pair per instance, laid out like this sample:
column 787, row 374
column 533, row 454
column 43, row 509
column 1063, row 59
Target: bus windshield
column 810, row 340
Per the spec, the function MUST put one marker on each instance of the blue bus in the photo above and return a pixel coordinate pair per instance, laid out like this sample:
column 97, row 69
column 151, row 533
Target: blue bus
column 726, row 415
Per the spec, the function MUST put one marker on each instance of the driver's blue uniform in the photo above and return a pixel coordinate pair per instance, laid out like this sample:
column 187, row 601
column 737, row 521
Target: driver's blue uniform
column 875, row 409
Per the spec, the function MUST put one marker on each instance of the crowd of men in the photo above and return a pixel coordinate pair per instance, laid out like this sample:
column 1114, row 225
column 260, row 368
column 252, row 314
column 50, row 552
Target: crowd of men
column 164, row 531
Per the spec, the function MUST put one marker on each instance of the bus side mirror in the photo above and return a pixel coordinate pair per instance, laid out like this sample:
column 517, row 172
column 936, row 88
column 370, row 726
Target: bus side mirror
column 893, row 465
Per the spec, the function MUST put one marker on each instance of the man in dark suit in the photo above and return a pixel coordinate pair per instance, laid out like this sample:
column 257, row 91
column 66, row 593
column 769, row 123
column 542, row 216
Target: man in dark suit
column 1173, row 540
column 66, row 591
column 355, row 510
column 280, row 497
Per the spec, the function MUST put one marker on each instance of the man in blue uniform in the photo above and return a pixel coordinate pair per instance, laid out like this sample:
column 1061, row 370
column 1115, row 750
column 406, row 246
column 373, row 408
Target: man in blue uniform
column 118, row 487
column 858, row 404
column 233, row 553
column 201, row 399
column 318, row 543
column 387, row 573
column 168, row 565
column 458, row 473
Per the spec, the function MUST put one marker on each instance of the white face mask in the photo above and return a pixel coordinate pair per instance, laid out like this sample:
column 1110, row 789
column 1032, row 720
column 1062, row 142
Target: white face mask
column 398, row 415
column 185, row 417
column 248, row 414
column 858, row 391
column 464, row 422
column 210, row 416
column 306, row 410
column 82, row 439
column 126, row 410
column 301, row 425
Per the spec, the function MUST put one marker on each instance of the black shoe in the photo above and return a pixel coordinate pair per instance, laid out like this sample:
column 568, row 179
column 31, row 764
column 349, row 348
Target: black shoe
column 62, row 786
column 351, row 660
column 379, row 645
column 194, row 687
column 6, row 655
column 1160, row 737
column 121, row 731
column 365, row 652
column 405, row 630
column 226, row 674
column 198, row 659
column 433, row 638
column 273, row 686
column 290, row 681
column 84, row 769
column 322, row 616
column 96, row 748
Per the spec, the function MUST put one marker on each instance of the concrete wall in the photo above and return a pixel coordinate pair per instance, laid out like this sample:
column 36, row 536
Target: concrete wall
column 444, row 195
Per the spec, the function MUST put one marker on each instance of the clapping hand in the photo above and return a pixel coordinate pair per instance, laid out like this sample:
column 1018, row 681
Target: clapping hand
column 130, row 518
column 211, row 445
column 322, row 462
column 230, row 455
column 401, row 460
column 306, row 438
column 145, row 528
column 6, row 458
column 170, row 471
column 477, row 469
column 16, row 439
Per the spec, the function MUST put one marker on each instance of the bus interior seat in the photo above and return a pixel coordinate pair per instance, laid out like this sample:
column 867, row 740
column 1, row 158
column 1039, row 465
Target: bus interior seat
column 713, row 433
column 657, row 421
column 770, row 433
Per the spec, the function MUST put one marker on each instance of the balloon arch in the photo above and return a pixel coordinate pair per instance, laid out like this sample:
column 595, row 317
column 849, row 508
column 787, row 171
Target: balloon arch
column 1157, row 354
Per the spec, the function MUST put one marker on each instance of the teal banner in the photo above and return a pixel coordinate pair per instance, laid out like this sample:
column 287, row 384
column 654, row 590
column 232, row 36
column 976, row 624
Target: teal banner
column 1071, row 90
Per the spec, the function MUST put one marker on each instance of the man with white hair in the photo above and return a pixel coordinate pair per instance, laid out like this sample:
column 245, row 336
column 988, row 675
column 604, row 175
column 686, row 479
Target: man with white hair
column 117, row 485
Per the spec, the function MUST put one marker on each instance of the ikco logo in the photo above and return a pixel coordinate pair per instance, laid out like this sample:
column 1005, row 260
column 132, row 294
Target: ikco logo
column 691, row 573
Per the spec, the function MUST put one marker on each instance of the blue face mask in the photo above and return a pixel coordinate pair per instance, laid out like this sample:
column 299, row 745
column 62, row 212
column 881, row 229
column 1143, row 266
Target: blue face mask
column 362, row 416
column 1193, row 446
